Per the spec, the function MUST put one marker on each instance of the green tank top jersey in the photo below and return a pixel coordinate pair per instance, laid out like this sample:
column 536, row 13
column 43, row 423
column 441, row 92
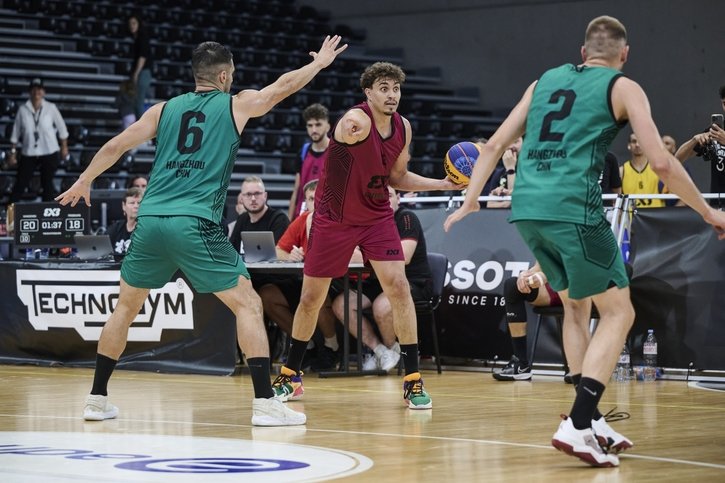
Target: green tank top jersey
column 569, row 128
column 197, row 142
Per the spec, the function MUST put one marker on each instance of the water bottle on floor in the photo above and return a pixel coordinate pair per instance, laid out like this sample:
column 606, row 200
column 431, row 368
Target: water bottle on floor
column 649, row 353
column 623, row 370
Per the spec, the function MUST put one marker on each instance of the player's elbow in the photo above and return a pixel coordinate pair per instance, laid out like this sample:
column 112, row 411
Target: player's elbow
column 663, row 166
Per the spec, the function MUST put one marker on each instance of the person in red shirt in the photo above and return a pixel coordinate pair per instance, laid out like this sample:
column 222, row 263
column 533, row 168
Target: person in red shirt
column 313, row 154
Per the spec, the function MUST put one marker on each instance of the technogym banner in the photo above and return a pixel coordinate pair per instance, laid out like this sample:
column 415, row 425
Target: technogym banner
column 54, row 313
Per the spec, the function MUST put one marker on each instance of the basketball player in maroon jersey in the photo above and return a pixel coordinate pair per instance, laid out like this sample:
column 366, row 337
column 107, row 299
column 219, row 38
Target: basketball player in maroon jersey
column 369, row 150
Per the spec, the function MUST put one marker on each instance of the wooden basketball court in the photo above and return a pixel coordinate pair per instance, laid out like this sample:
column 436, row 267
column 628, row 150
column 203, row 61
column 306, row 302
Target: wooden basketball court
column 479, row 429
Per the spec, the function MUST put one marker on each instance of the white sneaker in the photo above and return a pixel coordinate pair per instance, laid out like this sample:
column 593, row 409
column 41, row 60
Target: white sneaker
column 98, row 408
column 583, row 444
column 273, row 412
column 609, row 438
column 370, row 363
column 388, row 359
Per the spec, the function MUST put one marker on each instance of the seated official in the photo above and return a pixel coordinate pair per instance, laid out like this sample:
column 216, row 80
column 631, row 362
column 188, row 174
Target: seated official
column 258, row 216
column 386, row 350
column 280, row 298
column 120, row 232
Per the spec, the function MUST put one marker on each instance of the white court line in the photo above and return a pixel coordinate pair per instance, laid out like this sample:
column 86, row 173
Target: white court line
column 392, row 435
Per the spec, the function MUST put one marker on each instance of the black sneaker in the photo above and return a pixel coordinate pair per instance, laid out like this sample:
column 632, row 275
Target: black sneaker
column 326, row 360
column 514, row 371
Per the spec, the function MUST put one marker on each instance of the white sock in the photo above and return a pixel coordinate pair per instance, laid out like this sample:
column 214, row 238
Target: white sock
column 380, row 350
column 331, row 342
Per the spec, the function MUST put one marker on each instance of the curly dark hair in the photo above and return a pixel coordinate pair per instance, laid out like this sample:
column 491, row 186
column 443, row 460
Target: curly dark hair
column 381, row 70
column 315, row 111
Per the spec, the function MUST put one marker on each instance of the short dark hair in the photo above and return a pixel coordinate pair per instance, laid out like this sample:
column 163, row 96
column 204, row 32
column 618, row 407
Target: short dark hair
column 605, row 37
column 208, row 57
column 381, row 70
column 316, row 111
column 722, row 91
column 310, row 185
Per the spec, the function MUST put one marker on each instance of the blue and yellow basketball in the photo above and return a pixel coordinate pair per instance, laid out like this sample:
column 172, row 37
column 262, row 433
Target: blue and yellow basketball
column 459, row 161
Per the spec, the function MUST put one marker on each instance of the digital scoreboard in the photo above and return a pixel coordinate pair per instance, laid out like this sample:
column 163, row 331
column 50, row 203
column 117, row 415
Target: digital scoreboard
column 45, row 225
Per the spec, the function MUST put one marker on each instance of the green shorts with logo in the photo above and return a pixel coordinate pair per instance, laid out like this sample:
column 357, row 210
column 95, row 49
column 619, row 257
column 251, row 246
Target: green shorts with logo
column 161, row 245
column 581, row 258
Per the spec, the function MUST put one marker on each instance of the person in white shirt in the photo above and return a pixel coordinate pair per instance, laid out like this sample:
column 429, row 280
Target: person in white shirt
column 37, row 128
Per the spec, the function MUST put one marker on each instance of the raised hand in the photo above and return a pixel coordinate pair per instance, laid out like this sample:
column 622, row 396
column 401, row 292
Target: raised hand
column 328, row 51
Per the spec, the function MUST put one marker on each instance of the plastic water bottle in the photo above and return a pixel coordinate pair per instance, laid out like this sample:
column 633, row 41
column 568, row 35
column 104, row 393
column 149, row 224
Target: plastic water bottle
column 649, row 355
column 623, row 370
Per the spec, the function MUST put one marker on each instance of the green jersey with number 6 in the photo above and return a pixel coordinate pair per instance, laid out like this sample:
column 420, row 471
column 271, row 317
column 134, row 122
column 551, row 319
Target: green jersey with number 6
column 569, row 128
column 196, row 145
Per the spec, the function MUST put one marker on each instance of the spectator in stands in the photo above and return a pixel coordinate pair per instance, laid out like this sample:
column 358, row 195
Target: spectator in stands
column 369, row 150
column 313, row 154
column 138, row 181
column 258, row 215
column 386, row 351
column 38, row 126
column 529, row 286
column 126, row 102
column 142, row 62
column 710, row 146
column 281, row 298
column 671, row 146
column 501, row 182
column 120, row 231
column 638, row 177
column 669, row 143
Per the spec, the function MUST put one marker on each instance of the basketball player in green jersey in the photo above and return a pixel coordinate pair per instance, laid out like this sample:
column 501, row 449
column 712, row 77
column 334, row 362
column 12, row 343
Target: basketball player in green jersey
column 179, row 222
column 569, row 117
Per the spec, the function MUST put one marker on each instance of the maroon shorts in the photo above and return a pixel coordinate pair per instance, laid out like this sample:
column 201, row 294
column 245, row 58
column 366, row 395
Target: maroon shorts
column 553, row 296
column 331, row 244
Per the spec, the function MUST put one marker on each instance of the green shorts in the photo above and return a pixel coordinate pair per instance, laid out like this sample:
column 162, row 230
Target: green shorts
column 161, row 245
column 583, row 259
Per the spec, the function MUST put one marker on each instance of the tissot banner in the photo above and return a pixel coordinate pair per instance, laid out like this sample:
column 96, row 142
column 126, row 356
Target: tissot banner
column 483, row 250
column 54, row 314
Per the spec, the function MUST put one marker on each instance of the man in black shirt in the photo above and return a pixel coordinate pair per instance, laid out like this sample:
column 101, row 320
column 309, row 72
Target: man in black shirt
column 120, row 231
column 258, row 216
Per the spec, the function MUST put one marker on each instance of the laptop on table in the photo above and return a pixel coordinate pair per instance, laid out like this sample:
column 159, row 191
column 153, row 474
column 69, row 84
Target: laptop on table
column 258, row 246
column 94, row 247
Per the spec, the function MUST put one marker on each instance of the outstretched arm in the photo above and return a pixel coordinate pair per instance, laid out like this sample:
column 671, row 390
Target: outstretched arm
column 402, row 179
column 137, row 133
column 253, row 103
column 510, row 130
column 630, row 101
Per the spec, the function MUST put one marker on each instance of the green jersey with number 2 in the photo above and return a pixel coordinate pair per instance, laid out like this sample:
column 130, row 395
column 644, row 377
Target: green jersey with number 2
column 197, row 142
column 569, row 128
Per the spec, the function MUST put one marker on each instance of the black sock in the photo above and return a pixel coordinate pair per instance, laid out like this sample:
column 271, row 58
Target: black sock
column 409, row 353
column 588, row 395
column 519, row 344
column 575, row 378
column 296, row 354
column 259, row 370
column 104, row 369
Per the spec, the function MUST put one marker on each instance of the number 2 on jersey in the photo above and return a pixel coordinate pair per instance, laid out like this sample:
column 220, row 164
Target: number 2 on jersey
column 569, row 97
